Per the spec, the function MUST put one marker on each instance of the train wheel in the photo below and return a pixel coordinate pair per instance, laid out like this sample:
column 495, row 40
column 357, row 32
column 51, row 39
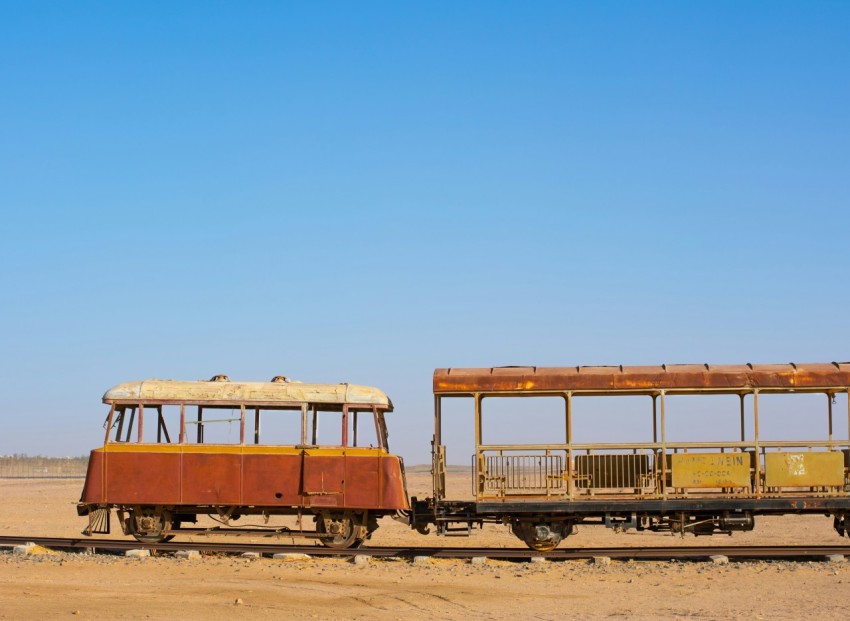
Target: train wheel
column 341, row 530
column 147, row 524
column 543, row 536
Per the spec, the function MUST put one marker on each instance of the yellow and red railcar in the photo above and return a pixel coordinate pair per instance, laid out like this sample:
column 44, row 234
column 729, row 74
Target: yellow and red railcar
column 175, row 450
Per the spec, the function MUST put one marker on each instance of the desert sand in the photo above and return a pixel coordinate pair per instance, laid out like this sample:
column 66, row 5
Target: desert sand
column 215, row 586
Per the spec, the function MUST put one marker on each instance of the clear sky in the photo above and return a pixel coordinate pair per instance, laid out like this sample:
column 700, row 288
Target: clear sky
column 363, row 192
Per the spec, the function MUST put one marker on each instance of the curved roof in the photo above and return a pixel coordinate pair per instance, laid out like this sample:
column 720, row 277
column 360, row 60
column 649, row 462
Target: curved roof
column 248, row 393
column 649, row 379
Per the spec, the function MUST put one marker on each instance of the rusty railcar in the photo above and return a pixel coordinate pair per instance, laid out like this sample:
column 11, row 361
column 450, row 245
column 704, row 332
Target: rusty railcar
column 175, row 450
column 685, row 484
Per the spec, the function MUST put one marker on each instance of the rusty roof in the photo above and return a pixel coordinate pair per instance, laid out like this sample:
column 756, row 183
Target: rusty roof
column 248, row 393
column 648, row 379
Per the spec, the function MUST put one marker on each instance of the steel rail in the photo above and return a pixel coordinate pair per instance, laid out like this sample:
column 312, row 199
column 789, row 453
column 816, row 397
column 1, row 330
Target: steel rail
column 642, row 553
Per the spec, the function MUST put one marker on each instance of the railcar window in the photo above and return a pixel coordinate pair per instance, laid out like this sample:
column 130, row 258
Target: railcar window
column 273, row 426
column 458, row 415
column 161, row 424
column 124, row 423
column 213, row 425
column 707, row 418
column 523, row 420
column 612, row 419
column 799, row 416
column 361, row 429
column 325, row 427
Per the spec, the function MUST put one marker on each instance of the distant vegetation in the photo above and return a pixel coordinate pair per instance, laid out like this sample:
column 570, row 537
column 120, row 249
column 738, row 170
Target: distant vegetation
column 39, row 467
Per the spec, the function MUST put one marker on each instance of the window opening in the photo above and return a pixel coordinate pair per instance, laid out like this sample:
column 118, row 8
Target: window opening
column 607, row 419
column 797, row 416
column 327, row 427
column 363, row 428
column 216, row 425
column 706, row 418
column 511, row 420
column 279, row 425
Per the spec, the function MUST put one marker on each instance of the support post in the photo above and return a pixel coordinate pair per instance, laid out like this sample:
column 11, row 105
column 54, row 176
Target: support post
column 654, row 419
column 200, row 425
column 257, row 425
column 345, row 425
column 109, row 423
column 141, row 421
column 303, row 423
column 182, row 423
column 743, row 432
column 756, row 417
column 756, row 442
column 829, row 408
column 438, row 420
column 478, row 399
column 663, row 445
column 570, row 468
column 242, row 424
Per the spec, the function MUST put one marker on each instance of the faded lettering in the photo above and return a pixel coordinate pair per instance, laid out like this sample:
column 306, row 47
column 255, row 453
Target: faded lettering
column 711, row 470
column 796, row 464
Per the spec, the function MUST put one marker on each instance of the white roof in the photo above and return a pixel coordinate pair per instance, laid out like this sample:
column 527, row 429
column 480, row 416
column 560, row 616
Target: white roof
column 248, row 393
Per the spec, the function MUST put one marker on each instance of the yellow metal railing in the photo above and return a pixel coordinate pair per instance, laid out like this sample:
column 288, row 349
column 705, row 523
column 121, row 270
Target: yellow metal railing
column 663, row 471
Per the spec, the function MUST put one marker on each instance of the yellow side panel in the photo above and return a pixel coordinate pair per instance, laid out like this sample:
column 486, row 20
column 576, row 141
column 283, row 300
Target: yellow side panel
column 711, row 469
column 804, row 469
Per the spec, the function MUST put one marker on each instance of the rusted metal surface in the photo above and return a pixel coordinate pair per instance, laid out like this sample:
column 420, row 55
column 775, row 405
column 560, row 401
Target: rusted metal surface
column 646, row 379
column 326, row 478
column 806, row 469
column 711, row 470
column 246, row 393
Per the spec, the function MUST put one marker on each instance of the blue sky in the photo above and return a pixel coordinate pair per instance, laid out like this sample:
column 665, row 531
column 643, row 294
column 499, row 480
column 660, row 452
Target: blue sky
column 347, row 192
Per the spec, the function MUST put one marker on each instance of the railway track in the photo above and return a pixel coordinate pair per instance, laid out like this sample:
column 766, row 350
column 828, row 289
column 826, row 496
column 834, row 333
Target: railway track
column 266, row 549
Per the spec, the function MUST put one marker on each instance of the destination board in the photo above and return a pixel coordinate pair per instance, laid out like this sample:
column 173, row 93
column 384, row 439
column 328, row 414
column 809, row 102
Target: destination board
column 711, row 469
column 808, row 469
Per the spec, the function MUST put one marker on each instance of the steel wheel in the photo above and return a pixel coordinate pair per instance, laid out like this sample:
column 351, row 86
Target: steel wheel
column 147, row 524
column 542, row 536
column 541, row 546
column 340, row 530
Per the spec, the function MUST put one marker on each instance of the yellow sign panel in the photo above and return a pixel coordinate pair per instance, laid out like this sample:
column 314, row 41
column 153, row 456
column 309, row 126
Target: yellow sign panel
column 804, row 469
column 711, row 469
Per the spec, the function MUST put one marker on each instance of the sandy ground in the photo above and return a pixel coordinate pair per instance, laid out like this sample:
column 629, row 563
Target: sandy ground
column 106, row 586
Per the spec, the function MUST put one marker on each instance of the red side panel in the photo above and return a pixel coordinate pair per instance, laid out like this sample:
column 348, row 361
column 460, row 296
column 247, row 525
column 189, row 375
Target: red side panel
column 311, row 479
column 93, row 487
column 392, row 484
column 361, row 481
column 212, row 479
column 271, row 480
column 142, row 478
column 322, row 483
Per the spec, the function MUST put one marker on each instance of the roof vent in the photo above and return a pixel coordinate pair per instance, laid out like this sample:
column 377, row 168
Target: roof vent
column 280, row 379
column 219, row 378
